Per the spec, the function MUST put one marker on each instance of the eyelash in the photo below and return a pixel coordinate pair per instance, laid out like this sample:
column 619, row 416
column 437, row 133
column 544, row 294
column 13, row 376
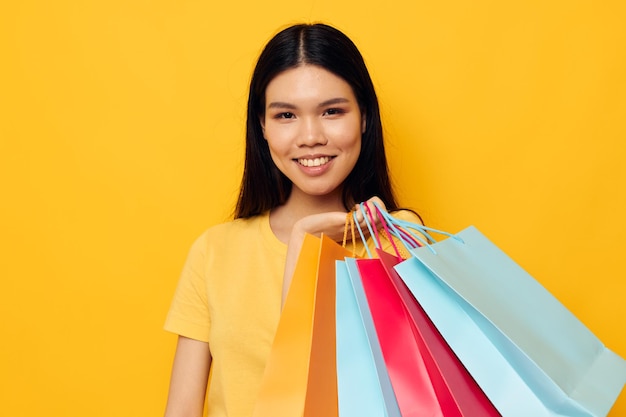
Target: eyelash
column 284, row 115
column 329, row 112
column 334, row 111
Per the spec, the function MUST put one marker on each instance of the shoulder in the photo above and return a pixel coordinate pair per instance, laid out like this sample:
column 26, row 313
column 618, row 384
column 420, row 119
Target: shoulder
column 227, row 235
column 233, row 228
column 407, row 215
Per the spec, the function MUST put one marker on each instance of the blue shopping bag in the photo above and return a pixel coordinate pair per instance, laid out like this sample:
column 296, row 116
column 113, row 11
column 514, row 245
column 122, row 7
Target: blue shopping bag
column 363, row 385
column 529, row 354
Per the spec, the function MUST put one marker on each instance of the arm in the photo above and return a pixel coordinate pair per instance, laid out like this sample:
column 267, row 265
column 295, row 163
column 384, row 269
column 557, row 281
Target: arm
column 190, row 374
column 331, row 224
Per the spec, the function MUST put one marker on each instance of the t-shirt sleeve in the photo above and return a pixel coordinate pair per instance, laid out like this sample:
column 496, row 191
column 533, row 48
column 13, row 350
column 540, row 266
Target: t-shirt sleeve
column 189, row 312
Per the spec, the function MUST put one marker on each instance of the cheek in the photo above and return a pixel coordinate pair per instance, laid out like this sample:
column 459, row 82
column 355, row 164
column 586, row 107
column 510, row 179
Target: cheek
column 275, row 151
column 351, row 146
column 277, row 139
column 356, row 153
column 357, row 147
column 280, row 146
column 349, row 137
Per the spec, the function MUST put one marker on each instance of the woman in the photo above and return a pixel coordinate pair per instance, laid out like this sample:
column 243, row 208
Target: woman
column 314, row 149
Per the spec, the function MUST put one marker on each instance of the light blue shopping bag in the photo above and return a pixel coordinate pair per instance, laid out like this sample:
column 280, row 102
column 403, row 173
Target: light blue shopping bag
column 530, row 355
column 363, row 385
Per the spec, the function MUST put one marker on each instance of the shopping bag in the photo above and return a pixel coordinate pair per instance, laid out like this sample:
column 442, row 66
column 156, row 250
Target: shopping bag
column 529, row 354
column 414, row 387
column 455, row 380
column 300, row 375
column 363, row 384
column 413, row 348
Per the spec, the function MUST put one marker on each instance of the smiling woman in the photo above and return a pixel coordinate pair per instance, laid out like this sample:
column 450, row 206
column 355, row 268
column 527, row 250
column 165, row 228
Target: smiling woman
column 313, row 126
column 314, row 148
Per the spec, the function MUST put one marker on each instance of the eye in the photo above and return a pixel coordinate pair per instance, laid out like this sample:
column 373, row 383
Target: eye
column 285, row 115
column 333, row 112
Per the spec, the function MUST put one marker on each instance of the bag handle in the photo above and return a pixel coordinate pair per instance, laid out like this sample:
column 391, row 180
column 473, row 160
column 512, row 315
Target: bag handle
column 349, row 224
column 358, row 226
column 393, row 227
column 400, row 228
column 370, row 222
column 377, row 241
column 351, row 221
column 406, row 236
column 403, row 230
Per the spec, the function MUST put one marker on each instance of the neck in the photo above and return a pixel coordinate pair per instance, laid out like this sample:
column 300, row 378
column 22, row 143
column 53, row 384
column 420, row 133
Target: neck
column 300, row 204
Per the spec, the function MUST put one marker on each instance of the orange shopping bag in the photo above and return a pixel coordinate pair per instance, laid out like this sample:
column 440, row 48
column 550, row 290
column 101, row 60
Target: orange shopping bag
column 300, row 375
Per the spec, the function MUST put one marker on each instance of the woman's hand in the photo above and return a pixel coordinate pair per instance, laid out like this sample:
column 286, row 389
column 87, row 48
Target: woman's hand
column 331, row 224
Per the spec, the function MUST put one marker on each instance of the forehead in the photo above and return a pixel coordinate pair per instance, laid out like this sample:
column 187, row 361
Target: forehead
column 307, row 82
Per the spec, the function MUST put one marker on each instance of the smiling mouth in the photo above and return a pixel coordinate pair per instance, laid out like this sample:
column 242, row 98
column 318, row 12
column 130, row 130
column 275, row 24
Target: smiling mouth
column 314, row 162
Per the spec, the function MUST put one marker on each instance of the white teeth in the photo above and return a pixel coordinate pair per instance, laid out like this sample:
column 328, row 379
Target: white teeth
column 314, row 162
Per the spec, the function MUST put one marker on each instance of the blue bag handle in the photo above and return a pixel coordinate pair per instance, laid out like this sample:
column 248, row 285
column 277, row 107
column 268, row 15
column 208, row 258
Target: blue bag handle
column 407, row 238
column 398, row 226
column 358, row 227
column 369, row 222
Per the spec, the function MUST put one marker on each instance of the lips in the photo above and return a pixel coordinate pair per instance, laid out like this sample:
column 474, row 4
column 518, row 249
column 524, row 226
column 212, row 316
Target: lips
column 314, row 162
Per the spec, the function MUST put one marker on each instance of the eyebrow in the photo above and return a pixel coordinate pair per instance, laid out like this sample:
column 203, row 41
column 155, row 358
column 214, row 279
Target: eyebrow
column 330, row 102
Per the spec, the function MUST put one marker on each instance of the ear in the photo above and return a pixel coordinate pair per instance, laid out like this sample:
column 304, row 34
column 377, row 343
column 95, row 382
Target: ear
column 262, row 123
column 363, row 124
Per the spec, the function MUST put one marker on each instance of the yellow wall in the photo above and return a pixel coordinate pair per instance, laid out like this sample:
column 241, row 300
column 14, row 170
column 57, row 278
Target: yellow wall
column 121, row 127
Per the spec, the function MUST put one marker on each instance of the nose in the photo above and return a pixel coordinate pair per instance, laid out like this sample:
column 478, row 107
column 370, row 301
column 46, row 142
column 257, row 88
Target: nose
column 311, row 133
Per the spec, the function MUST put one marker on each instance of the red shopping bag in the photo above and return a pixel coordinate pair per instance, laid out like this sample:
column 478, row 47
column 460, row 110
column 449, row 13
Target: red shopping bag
column 417, row 391
column 455, row 382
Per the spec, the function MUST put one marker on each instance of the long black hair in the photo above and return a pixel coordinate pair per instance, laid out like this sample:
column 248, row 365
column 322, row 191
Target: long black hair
column 263, row 186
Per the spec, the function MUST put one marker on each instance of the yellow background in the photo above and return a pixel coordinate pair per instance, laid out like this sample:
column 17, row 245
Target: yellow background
column 121, row 133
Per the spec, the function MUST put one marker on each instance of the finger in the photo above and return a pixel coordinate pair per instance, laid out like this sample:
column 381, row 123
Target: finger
column 369, row 211
column 375, row 201
column 374, row 208
column 378, row 201
column 359, row 213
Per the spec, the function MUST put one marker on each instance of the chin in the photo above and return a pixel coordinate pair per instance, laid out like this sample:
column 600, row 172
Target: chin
column 322, row 192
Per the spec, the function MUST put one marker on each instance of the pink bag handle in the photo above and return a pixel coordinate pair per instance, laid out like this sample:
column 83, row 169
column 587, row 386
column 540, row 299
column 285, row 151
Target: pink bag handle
column 398, row 224
column 371, row 222
column 405, row 237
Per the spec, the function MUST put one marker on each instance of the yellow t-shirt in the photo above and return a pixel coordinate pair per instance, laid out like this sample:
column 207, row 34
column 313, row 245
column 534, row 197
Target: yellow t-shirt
column 229, row 295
